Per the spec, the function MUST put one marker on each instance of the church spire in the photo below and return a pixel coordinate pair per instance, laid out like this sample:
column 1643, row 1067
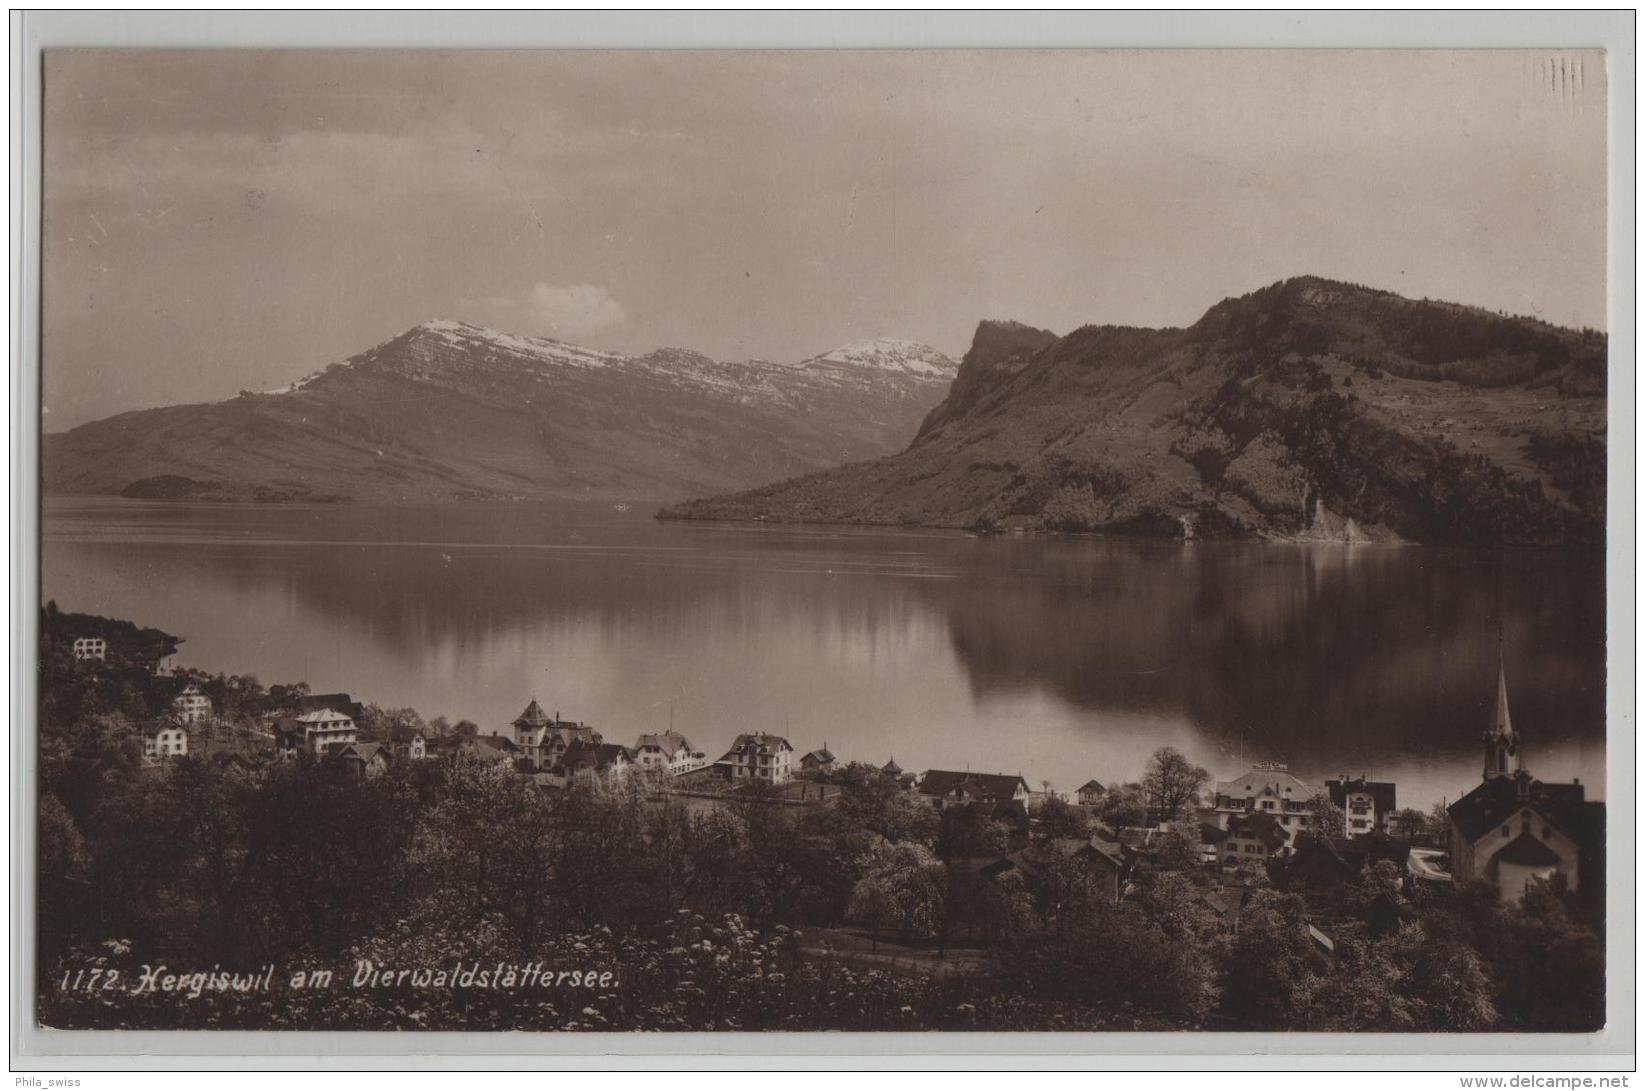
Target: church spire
column 1503, row 724
column 1501, row 741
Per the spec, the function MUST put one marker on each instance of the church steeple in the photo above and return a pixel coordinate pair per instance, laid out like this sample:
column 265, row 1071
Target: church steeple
column 1502, row 758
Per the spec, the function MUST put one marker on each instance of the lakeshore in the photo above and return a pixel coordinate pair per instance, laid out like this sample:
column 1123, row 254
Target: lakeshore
column 941, row 650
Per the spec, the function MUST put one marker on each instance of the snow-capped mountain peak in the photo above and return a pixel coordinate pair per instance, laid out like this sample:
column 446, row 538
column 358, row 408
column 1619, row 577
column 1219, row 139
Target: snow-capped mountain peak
column 891, row 354
column 467, row 335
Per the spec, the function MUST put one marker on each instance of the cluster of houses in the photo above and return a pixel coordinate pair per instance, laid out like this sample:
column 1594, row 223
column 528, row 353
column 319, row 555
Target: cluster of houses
column 1511, row 830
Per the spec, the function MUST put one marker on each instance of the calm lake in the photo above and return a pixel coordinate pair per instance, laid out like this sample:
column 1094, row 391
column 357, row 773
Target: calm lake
column 1061, row 659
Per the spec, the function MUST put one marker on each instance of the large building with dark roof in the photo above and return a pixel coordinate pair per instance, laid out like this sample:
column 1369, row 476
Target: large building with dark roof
column 543, row 739
column 1514, row 830
column 1266, row 788
column 759, row 758
column 947, row 788
column 1365, row 803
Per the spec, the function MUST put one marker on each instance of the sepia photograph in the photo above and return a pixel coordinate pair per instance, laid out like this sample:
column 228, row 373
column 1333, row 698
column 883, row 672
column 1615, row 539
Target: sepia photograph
column 942, row 540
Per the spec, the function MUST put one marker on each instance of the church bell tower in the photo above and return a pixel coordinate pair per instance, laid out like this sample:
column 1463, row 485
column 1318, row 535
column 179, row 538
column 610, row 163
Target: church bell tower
column 1502, row 756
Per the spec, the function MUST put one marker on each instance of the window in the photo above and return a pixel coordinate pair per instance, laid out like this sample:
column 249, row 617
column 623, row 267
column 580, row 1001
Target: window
column 1506, row 830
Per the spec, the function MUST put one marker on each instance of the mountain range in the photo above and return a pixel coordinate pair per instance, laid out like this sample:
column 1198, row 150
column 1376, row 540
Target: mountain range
column 1306, row 409
column 451, row 411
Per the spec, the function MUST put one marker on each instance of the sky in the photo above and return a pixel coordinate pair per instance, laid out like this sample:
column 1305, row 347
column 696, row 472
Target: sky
column 226, row 220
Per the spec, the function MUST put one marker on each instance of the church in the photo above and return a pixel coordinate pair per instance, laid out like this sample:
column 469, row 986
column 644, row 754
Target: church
column 1514, row 830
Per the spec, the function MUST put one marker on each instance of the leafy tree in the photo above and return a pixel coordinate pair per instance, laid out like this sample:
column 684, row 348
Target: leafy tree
column 1382, row 879
column 1059, row 818
column 63, row 873
column 1124, row 805
column 382, row 723
column 1548, row 962
column 1363, row 992
column 1449, row 983
column 1325, row 818
column 902, row 890
column 876, row 802
column 969, row 833
column 1271, row 962
column 1101, row 954
column 1438, row 827
column 1172, row 783
column 1177, row 849
column 1412, row 819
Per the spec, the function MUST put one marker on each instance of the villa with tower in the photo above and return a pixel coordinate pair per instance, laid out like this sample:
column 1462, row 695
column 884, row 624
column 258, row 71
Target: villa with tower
column 542, row 739
column 1514, row 830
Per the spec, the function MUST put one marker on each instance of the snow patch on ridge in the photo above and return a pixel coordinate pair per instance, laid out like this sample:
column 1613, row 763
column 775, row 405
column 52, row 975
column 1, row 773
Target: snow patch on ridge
column 891, row 354
column 466, row 335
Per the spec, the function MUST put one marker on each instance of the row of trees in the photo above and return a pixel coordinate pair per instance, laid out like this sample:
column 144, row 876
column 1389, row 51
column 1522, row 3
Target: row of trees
column 703, row 915
column 458, row 860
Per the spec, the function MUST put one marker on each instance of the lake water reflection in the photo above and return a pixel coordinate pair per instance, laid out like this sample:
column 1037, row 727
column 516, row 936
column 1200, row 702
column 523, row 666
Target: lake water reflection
column 1059, row 659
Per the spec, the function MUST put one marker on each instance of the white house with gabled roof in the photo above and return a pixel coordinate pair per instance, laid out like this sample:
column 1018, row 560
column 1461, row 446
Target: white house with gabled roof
column 326, row 729
column 1266, row 788
column 760, row 757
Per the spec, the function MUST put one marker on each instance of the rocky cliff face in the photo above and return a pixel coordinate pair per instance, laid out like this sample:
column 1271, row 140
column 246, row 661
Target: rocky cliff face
column 1308, row 409
column 451, row 411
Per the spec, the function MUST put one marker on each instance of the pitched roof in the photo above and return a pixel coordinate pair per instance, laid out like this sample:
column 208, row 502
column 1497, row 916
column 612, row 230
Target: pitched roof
column 489, row 748
column 1367, row 848
column 1528, row 851
column 1381, row 792
column 566, row 732
column 1091, row 786
column 822, row 756
column 891, row 767
column 323, row 716
column 1258, row 781
column 989, row 786
column 1224, row 900
column 759, row 741
column 533, row 716
column 1319, row 858
column 1498, row 799
column 365, row 751
column 1108, row 851
column 598, row 756
column 340, row 702
column 1258, row 826
column 669, row 742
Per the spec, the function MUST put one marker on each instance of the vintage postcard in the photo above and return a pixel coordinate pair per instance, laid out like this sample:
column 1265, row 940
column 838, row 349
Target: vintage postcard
column 940, row 540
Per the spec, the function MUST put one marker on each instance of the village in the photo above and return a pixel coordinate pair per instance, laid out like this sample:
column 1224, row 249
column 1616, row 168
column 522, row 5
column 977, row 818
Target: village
column 1263, row 827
